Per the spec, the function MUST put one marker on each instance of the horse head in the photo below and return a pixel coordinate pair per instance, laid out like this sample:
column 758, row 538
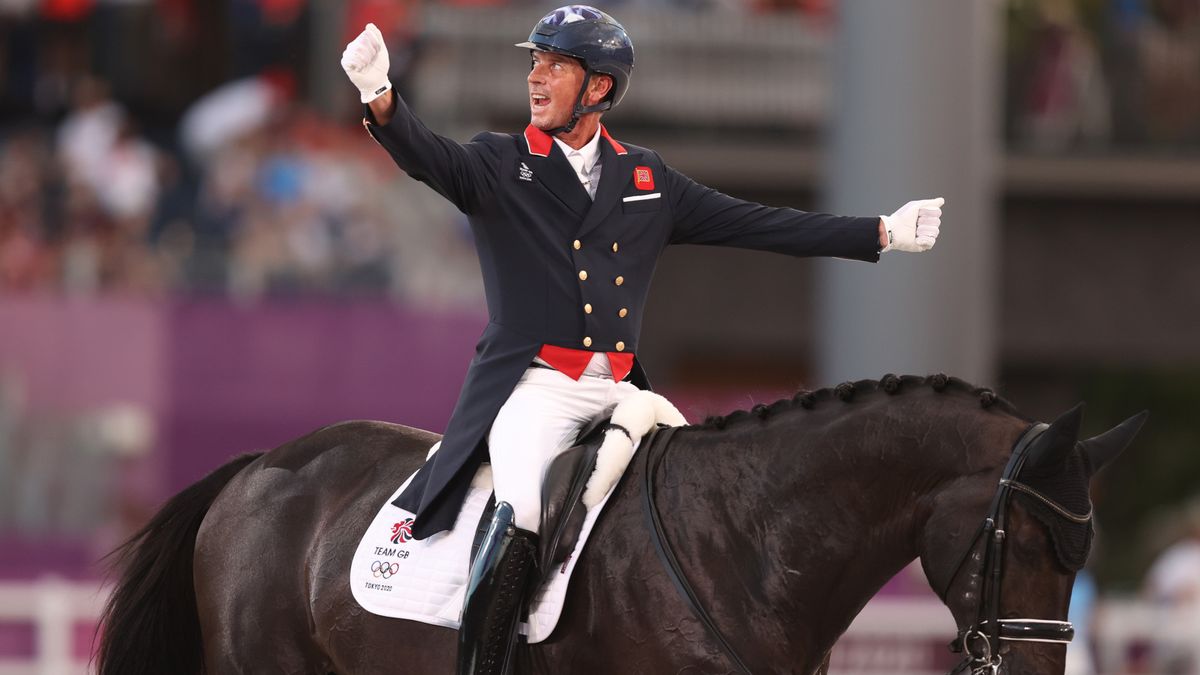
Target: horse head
column 1002, row 546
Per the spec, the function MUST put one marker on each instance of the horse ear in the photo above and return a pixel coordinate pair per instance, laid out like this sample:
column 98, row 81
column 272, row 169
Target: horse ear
column 1053, row 446
column 1100, row 450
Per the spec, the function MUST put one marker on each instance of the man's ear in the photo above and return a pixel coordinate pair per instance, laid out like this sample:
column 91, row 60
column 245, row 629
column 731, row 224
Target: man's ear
column 598, row 88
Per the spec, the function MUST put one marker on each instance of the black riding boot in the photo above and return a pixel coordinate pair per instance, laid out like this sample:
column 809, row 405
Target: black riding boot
column 500, row 578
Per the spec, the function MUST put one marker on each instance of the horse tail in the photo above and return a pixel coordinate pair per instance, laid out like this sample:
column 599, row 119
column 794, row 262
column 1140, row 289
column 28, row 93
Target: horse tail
column 149, row 625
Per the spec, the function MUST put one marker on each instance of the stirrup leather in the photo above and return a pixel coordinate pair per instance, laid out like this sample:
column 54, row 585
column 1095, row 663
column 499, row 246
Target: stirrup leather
column 499, row 581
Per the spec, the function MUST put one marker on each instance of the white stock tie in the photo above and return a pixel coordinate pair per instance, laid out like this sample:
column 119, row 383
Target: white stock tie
column 588, row 177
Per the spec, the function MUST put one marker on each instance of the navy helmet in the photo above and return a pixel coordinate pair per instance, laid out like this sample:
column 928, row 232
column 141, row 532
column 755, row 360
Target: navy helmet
column 597, row 40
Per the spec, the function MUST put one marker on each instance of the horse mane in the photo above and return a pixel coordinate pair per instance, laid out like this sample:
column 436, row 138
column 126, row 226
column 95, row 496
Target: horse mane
column 847, row 392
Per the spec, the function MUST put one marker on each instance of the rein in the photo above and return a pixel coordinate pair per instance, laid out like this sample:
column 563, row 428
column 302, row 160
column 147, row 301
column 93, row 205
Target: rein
column 980, row 642
column 667, row 555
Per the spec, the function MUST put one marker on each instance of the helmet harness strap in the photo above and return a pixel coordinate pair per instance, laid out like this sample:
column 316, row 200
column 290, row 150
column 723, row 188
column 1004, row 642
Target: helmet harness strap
column 579, row 110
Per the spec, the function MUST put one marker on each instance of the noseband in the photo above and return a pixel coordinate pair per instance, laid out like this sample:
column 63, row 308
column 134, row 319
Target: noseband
column 980, row 642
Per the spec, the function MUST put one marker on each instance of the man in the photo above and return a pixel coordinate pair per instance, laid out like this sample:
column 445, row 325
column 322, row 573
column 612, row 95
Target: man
column 568, row 225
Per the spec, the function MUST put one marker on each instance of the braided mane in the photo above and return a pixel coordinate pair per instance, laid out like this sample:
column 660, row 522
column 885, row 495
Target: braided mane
column 847, row 392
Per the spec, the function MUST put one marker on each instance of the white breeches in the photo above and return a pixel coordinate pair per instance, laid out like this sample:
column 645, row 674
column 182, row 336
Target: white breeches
column 540, row 420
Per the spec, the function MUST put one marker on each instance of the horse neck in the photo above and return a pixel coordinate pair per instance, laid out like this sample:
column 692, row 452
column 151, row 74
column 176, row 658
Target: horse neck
column 830, row 502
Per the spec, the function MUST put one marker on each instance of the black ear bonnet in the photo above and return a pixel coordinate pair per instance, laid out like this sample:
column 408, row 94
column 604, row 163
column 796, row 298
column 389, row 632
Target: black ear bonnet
column 1067, row 485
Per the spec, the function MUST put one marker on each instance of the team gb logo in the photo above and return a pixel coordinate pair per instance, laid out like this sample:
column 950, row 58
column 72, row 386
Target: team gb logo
column 402, row 531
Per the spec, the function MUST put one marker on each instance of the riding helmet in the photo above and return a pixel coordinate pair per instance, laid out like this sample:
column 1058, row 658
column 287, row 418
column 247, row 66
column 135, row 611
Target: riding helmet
column 593, row 37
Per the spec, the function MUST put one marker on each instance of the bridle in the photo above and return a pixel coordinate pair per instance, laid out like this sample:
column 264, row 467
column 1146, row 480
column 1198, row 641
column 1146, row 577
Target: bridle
column 980, row 642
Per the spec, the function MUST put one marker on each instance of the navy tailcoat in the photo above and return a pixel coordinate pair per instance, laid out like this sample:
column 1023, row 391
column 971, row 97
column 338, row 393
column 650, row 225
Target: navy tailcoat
column 562, row 269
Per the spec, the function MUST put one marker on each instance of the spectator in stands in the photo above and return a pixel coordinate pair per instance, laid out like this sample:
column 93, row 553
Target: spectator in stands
column 25, row 261
column 1169, row 52
column 1173, row 582
column 1061, row 94
column 1174, row 579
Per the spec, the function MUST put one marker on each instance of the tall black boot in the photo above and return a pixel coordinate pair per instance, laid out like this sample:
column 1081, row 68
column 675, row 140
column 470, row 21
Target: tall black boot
column 500, row 579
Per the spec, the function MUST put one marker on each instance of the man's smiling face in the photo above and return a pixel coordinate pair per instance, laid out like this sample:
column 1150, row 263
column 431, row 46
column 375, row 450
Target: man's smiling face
column 554, row 81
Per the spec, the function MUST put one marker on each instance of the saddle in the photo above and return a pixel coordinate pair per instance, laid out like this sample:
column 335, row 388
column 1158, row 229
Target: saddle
column 563, row 511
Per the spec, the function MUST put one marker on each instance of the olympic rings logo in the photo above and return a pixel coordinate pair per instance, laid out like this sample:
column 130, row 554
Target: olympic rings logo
column 384, row 570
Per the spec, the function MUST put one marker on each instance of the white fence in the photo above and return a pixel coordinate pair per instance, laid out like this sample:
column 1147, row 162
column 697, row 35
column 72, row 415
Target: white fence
column 54, row 609
column 897, row 636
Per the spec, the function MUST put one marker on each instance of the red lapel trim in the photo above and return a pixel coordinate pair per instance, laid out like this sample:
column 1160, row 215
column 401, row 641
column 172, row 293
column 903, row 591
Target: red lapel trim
column 539, row 142
column 620, row 149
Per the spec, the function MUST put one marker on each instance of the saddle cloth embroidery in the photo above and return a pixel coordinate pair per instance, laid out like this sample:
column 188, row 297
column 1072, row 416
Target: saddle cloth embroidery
column 397, row 576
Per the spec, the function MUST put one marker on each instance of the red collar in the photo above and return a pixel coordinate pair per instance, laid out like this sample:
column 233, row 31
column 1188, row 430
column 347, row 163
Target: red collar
column 540, row 142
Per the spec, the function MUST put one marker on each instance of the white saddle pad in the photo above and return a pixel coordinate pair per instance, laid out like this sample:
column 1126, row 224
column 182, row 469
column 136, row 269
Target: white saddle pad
column 397, row 576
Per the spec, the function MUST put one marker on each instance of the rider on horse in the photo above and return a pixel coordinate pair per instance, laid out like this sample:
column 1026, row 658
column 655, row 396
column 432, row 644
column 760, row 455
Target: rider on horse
column 568, row 224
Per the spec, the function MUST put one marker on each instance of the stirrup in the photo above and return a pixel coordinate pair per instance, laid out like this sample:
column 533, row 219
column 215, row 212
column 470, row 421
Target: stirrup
column 496, row 590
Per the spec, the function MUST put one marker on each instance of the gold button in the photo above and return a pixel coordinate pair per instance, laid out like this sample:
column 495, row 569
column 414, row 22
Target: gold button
column 587, row 308
column 615, row 247
column 619, row 280
column 583, row 275
column 587, row 342
column 620, row 346
column 622, row 313
column 577, row 245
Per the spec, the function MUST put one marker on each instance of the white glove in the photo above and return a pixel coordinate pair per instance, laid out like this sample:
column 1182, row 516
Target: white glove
column 914, row 227
column 366, row 63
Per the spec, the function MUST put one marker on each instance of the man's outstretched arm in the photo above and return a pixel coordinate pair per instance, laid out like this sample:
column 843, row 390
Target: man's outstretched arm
column 704, row 216
column 464, row 174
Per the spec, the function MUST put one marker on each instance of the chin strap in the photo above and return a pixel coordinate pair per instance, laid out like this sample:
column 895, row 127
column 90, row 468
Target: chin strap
column 579, row 109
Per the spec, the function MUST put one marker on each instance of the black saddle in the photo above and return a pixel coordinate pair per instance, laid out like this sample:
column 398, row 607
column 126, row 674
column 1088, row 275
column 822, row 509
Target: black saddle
column 563, row 511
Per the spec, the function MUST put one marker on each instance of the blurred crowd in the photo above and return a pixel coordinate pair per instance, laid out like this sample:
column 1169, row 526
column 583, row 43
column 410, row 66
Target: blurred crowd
column 154, row 145
column 263, row 196
column 1103, row 75
column 112, row 183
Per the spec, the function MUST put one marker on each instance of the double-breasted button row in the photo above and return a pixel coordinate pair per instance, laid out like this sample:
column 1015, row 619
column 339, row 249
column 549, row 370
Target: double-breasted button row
column 587, row 342
column 587, row 306
column 587, row 309
column 579, row 244
column 583, row 275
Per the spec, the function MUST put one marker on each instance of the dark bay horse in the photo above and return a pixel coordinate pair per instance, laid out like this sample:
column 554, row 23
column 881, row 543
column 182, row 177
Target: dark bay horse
column 785, row 520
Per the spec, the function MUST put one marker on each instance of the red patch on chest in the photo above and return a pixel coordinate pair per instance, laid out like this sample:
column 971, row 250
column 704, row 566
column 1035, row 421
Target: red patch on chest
column 642, row 178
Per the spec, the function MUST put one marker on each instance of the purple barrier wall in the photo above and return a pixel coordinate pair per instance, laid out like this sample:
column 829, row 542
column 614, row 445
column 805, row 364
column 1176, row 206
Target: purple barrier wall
column 243, row 380
column 73, row 355
column 209, row 379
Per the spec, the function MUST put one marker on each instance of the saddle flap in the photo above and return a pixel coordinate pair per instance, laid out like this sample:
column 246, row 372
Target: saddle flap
column 563, row 511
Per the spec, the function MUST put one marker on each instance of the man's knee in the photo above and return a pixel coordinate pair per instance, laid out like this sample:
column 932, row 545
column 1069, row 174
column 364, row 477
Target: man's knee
column 527, row 509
